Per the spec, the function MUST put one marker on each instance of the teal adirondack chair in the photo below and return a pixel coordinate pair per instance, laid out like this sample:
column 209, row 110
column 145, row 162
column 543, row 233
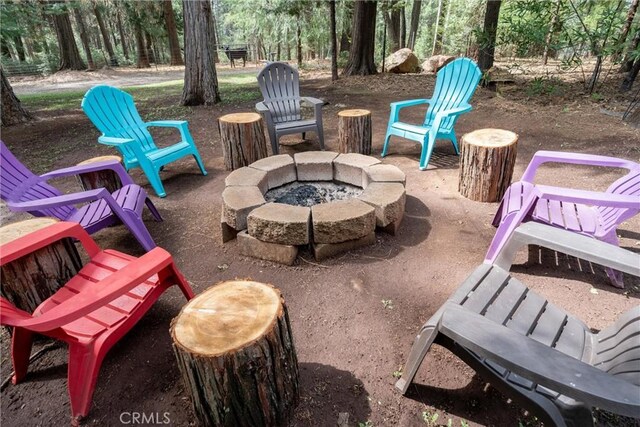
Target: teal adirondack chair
column 455, row 84
column 113, row 112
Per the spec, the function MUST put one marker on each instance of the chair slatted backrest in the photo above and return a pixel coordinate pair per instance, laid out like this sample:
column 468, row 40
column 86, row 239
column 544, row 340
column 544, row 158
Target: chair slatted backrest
column 19, row 184
column 628, row 185
column 114, row 113
column 280, row 87
column 456, row 83
column 617, row 347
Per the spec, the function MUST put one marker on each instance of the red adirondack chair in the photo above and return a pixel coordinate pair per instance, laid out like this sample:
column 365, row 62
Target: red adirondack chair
column 92, row 311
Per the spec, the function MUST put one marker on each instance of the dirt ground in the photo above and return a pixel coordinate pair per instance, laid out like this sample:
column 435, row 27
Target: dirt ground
column 354, row 317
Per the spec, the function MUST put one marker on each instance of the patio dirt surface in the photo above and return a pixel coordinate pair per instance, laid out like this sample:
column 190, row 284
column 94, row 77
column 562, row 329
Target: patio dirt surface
column 354, row 317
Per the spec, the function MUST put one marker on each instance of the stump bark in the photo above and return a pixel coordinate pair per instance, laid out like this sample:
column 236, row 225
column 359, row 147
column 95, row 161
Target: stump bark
column 235, row 351
column 243, row 140
column 487, row 158
column 100, row 179
column 354, row 131
column 31, row 279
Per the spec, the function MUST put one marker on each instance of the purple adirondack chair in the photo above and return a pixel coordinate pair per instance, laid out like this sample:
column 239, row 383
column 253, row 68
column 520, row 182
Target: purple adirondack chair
column 25, row 191
column 594, row 214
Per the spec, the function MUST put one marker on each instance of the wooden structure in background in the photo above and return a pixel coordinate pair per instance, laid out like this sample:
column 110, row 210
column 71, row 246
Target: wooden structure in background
column 354, row 131
column 487, row 158
column 235, row 352
column 242, row 138
column 28, row 281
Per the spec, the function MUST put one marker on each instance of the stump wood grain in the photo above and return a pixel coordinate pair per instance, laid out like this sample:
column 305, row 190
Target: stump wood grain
column 487, row 158
column 242, row 138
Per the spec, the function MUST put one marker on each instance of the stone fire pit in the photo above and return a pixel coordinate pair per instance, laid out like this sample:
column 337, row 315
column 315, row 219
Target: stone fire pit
column 333, row 202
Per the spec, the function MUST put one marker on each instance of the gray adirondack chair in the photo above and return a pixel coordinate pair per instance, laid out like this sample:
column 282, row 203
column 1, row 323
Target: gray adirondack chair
column 541, row 357
column 280, row 87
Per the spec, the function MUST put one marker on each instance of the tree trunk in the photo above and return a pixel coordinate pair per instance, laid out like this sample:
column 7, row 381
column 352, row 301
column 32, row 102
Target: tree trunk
column 33, row 278
column 84, row 38
column 361, row 55
column 627, row 83
column 413, row 26
column 552, row 29
column 172, row 32
column 354, row 131
column 487, row 158
column 490, row 28
column 334, row 41
column 216, row 39
column 345, row 37
column 125, row 48
column 113, row 61
column 437, row 36
column 403, row 28
column 69, row 55
column 298, row 43
column 242, row 139
column 17, row 42
column 12, row 111
column 633, row 8
column 4, row 46
column 150, row 53
column 200, row 79
column 627, row 62
column 235, row 352
column 392, row 19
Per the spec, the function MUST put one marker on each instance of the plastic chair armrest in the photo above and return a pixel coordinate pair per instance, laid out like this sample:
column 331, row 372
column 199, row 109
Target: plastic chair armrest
column 167, row 123
column 588, row 197
column 539, row 363
column 107, row 290
column 541, row 157
column 113, row 165
column 113, row 141
column 44, row 237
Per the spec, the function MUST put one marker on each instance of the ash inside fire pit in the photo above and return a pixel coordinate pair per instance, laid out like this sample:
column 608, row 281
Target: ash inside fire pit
column 312, row 193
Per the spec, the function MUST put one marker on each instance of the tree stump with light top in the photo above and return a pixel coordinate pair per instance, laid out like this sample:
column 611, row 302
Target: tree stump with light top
column 235, row 351
column 243, row 140
column 487, row 158
column 31, row 279
column 100, row 179
column 354, row 131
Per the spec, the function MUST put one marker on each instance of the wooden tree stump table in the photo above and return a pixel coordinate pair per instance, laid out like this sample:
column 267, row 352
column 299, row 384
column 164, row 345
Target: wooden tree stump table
column 487, row 157
column 99, row 179
column 236, row 355
column 354, row 131
column 31, row 279
column 242, row 138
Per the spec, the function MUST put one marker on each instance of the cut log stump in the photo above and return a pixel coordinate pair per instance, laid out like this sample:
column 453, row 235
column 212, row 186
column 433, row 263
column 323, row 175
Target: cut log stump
column 354, row 131
column 242, row 138
column 100, row 179
column 235, row 352
column 487, row 158
column 31, row 279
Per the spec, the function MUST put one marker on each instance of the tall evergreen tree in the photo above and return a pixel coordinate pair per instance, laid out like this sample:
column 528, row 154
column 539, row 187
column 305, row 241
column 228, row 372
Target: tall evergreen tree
column 361, row 55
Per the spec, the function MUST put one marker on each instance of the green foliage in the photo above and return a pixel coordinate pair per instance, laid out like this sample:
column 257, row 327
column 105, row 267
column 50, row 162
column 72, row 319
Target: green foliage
column 430, row 418
column 542, row 86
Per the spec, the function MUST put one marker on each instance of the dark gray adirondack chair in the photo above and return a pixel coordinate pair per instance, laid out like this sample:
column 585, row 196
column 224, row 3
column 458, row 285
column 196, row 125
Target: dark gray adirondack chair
column 280, row 87
column 535, row 353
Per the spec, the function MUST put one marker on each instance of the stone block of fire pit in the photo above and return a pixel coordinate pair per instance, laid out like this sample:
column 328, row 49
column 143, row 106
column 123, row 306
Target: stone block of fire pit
column 382, row 173
column 348, row 167
column 238, row 202
column 247, row 177
column 327, row 250
column 280, row 169
column 250, row 246
column 342, row 220
column 280, row 223
column 227, row 231
column 315, row 165
column 388, row 200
